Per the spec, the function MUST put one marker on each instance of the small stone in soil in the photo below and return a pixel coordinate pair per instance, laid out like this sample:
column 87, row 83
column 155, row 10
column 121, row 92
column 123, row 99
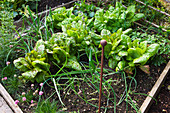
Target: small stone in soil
column 164, row 110
column 168, row 87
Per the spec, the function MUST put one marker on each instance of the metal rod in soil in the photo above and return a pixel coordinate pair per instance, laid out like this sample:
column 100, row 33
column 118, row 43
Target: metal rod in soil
column 103, row 43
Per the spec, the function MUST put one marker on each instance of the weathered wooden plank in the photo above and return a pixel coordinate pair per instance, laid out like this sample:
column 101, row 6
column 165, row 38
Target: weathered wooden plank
column 154, row 91
column 4, row 108
column 9, row 100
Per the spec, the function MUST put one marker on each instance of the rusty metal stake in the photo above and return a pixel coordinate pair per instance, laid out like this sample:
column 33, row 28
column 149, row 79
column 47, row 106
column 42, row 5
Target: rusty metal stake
column 103, row 43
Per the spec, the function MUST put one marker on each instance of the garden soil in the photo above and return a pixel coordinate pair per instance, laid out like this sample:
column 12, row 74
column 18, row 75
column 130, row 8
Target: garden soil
column 163, row 99
column 145, row 83
column 46, row 4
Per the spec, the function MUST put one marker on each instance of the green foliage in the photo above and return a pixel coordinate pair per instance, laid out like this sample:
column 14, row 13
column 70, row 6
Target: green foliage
column 150, row 14
column 62, row 47
column 19, row 7
column 13, row 85
column 28, row 95
column 6, row 35
column 79, row 33
column 115, row 18
column 88, row 9
column 158, row 60
column 112, row 19
column 47, row 107
column 164, row 48
column 8, row 70
column 58, row 15
column 34, row 64
column 126, row 54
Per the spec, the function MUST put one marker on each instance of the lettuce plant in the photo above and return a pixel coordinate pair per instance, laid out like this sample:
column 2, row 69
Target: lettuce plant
column 58, row 15
column 60, row 46
column 126, row 54
column 78, row 33
column 111, row 19
column 115, row 18
column 34, row 66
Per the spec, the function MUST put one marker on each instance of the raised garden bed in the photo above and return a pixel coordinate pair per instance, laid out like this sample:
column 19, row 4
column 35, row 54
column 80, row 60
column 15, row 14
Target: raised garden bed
column 83, row 107
column 82, row 94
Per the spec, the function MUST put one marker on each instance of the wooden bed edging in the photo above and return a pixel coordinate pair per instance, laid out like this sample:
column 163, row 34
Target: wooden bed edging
column 154, row 91
column 9, row 100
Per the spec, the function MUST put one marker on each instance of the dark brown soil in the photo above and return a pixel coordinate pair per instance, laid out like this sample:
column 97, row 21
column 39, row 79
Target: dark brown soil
column 144, row 81
column 144, row 85
column 46, row 4
column 75, row 102
column 163, row 100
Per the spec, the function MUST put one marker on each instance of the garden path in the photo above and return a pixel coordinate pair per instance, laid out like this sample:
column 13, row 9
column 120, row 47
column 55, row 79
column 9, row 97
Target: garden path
column 7, row 104
column 4, row 108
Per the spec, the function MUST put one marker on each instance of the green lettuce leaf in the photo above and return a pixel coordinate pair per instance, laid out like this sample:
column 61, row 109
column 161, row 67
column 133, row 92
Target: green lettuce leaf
column 143, row 46
column 130, row 12
column 41, row 76
column 135, row 52
column 142, row 60
column 31, row 74
column 73, row 64
column 112, row 63
column 151, row 50
column 128, row 31
column 123, row 53
column 59, row 14
column 115, row 44
column 120, row 65
column 41, row 65
column 137, row 17
column 105, row 33
column 135, row 43
column 99, row 23
column 59, row 54
column 22, row 64
column 40, row 48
